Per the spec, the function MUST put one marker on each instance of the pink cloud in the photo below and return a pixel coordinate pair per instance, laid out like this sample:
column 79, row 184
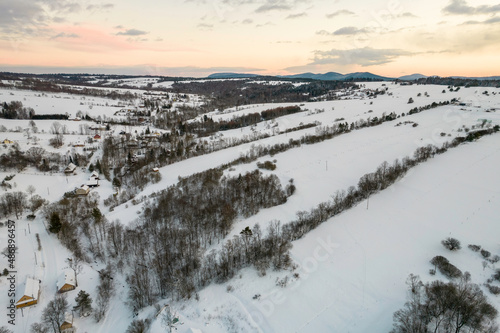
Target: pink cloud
column 102, row 40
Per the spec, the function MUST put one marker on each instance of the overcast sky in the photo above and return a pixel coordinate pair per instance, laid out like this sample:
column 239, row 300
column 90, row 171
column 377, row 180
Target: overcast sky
column 199, row 37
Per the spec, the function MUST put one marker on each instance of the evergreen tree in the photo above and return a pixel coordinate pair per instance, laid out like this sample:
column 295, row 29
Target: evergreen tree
column 98, row 166
column 117, row 182
column 55, row 223
column 83, row 304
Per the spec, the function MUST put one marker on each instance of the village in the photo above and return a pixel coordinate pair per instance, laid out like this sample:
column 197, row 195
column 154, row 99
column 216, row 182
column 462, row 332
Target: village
column 84, row 231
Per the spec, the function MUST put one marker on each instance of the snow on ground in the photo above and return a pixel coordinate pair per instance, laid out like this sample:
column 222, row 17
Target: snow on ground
column 62, row 103
column 275, row 83
column 350, row 110
column 353, row 267
column 340, row 162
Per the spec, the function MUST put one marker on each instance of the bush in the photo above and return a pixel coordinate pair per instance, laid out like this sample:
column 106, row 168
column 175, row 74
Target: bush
column 445, row 307
column 485, row 254
column 493, row 289
column 268, row 165
column 451, row 244
column 474, row 248
column 494, row 259
column 446, row 268
column 496, row 275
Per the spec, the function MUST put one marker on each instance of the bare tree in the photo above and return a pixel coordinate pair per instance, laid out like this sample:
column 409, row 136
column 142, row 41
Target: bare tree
column 56, row 128
column 53, row 314
column 75, row 263
column 31, row 189
column 168, row 319
column 39, row 328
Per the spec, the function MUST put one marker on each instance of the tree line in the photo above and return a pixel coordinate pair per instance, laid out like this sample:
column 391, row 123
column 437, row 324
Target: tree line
column 209, row 127
column 227, row 93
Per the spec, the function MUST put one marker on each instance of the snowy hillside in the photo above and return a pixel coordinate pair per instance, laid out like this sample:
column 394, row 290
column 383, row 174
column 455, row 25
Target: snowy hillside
column 347, row 275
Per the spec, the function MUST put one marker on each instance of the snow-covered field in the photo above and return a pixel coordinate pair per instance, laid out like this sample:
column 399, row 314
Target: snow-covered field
column 352, row 269
column 62, row 103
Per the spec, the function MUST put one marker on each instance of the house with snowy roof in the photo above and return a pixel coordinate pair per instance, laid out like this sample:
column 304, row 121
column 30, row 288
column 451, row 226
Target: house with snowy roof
column 67, row 325
column 94, row 175
column 79, row 143
column 70, row 169
column 92, row 182
column 31, row 293
column 66, row 281
column 84, row 190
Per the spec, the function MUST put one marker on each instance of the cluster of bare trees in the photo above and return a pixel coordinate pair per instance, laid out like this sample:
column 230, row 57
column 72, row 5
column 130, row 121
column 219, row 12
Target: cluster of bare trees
column 209, row 127
column 39, row 158
column 13, row 203
column 164, row 253
column 445, row 307
column 16, row 110
column 79, row 225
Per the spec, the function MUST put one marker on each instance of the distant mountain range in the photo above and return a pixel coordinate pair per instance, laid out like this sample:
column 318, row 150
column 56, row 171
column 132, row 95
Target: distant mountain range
column 330, row 76
column 412, row 77
column 333, row 76
column 231, row 76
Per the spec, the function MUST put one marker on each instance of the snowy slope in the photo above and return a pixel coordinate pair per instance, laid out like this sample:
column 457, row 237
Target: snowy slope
column 352, row 268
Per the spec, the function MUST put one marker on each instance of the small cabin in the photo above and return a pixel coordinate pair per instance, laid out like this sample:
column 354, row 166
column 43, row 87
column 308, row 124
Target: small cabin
column 79, row 144
column 94, row 175
column 7, row 142
column 84, row 190
column 133, row 143
column 92, row 182
column 67, row 325
column 97, row 137
column 71, row 168
column 156, row 170
column 31, row 293
column 66, row 281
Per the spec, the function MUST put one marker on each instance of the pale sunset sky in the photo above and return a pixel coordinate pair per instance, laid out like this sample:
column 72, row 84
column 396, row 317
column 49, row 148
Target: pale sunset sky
column 200, row 37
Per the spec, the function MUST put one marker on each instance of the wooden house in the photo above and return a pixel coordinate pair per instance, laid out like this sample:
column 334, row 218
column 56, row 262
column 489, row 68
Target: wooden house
column 7, row 142
column 84, row 190
column 66, row 281
column 133, row 143
column 79, row 144
column 67, row 325
column 70, row 169
column 94, row 175
column 92, row 182
column 97, row 137
column 31, row 293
